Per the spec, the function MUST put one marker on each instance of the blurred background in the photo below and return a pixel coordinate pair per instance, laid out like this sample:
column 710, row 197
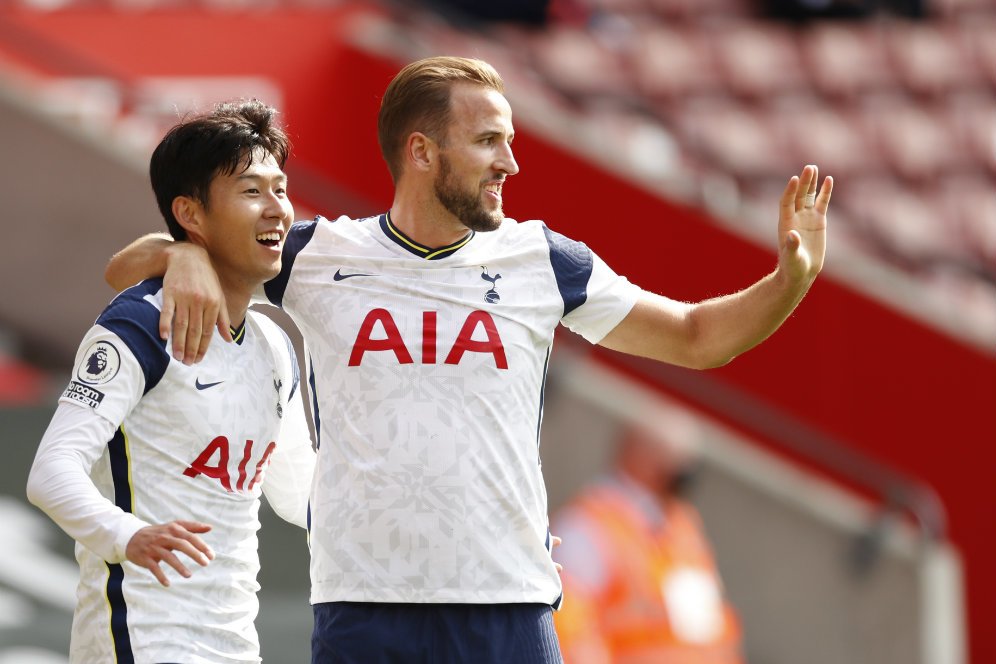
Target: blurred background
column 847, row 462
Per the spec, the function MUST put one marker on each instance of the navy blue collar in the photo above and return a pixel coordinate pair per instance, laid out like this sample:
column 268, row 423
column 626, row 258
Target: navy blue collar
column 428, row 253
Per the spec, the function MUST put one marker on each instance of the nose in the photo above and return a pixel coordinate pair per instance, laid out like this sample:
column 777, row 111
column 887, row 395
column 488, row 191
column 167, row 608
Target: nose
column 278, row 206
column 506, row 161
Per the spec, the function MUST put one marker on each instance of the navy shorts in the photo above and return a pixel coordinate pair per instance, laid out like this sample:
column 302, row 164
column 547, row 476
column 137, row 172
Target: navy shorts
column 379, row 633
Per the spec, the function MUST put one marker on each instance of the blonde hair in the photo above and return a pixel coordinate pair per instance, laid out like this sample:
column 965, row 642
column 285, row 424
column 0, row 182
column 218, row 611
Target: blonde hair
column 418, row 99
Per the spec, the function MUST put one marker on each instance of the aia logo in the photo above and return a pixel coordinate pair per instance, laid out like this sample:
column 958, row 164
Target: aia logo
column 468, row 340
column 213, row 461
column 491, row 297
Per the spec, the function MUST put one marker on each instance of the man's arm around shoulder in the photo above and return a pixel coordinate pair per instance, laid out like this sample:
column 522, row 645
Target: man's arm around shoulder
column 193, row 303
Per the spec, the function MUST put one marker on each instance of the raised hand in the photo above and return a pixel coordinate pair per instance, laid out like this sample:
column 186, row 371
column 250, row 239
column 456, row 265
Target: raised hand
column 802, row 225
column 155, row 544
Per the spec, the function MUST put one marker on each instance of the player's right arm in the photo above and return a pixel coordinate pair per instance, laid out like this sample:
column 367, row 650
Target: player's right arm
column 103, row 390
column 193, row 302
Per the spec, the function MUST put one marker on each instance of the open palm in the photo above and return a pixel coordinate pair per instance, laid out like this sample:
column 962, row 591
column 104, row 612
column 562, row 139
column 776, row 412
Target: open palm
column 802, row 224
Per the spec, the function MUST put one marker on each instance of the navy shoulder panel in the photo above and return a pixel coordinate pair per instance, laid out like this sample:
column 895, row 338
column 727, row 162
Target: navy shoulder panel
column 572, row 265
column 136, row 321
column 298, row 237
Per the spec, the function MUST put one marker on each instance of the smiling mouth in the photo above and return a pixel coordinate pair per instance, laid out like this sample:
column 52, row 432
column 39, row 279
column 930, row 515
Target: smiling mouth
column 271, row 239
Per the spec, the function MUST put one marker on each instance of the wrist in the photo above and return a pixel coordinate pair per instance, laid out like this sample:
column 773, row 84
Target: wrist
column 183, row 250
column 791, row 279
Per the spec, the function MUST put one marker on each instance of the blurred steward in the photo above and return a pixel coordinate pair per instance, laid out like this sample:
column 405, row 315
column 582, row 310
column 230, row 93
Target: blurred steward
column 640, row 581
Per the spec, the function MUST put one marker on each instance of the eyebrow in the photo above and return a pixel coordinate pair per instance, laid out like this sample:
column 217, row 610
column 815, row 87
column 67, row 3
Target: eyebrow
column 510, row 136
column 256, row 176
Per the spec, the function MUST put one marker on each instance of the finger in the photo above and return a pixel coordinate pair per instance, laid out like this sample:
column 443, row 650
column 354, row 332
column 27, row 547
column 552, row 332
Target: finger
column 170, row 559
column 200, row 550
column 194, row 330
column 205, row 341
column 559, row 568
column 224, row 323
column 192, row 549
column 787, row 203
column 166, row 317
column 556, row 541
column 805, row 180
column 158, row 573
column 194, row 526
column 210, row 314
column 823, row 200
column 809, row 200
column 180, row 333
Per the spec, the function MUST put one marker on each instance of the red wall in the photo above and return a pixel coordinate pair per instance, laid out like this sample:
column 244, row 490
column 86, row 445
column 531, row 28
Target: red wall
column 904, row 394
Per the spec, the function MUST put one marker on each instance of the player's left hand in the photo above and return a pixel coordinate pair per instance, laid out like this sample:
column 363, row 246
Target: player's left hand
column 555, row 542
column 802, row 225
column 155, row 544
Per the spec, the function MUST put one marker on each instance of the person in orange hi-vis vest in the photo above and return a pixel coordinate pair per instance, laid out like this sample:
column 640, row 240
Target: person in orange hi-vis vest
column 640, row 581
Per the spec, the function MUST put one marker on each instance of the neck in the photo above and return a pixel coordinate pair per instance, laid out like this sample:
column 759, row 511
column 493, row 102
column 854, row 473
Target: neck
column 420, row 216
column 237, row 297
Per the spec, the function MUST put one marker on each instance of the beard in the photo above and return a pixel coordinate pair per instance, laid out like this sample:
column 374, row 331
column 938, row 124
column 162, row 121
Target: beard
column 466, row 206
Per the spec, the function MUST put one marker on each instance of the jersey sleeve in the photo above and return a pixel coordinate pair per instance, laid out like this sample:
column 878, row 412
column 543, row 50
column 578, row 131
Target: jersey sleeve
column 287, row 485
column 59, row 482
column 122, row 357
column 596, row 299
column 119, row 360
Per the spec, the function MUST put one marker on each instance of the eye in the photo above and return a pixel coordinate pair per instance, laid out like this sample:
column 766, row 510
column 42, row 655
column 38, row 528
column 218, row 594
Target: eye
column 251, row 190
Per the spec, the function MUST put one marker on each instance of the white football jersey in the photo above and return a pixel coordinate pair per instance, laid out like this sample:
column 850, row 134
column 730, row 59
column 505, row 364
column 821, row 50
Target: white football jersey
column 428, row 368
column 140, row 439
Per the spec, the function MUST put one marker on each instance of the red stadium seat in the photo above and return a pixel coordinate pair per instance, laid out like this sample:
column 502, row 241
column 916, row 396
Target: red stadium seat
column 579, row 65
column 972, row 201
column 911, row 227
column 972, row 118
column 979, row 34
column 916, row 141
column 759, row 59
column 931, row 58
column 734, row 137
column 846, row 59
column 832, row 137
column 669, row 62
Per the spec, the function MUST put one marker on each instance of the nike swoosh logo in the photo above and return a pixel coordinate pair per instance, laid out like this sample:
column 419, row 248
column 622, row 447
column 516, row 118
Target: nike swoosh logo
column 339, row 276
column 203, row 386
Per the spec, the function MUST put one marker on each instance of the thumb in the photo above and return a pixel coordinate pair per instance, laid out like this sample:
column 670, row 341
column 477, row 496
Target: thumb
column 793, row 241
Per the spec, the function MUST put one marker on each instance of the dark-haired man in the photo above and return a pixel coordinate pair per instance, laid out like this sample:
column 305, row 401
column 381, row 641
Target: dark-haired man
column 147, row 458
column 429, row 329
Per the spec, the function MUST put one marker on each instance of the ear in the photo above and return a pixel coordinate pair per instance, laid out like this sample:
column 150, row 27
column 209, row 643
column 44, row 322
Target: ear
column 421, row 151
column 189, row 214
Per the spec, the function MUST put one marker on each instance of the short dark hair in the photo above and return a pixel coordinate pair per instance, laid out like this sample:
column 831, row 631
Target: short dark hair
column 219, row 142
column 418, row 99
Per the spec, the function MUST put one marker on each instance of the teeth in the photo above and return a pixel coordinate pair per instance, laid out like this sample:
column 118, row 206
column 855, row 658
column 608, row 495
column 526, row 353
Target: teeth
column 273, row 237
column 494, row 188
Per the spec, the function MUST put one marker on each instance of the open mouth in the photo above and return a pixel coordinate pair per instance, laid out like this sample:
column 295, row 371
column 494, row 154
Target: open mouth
column 271, row 239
